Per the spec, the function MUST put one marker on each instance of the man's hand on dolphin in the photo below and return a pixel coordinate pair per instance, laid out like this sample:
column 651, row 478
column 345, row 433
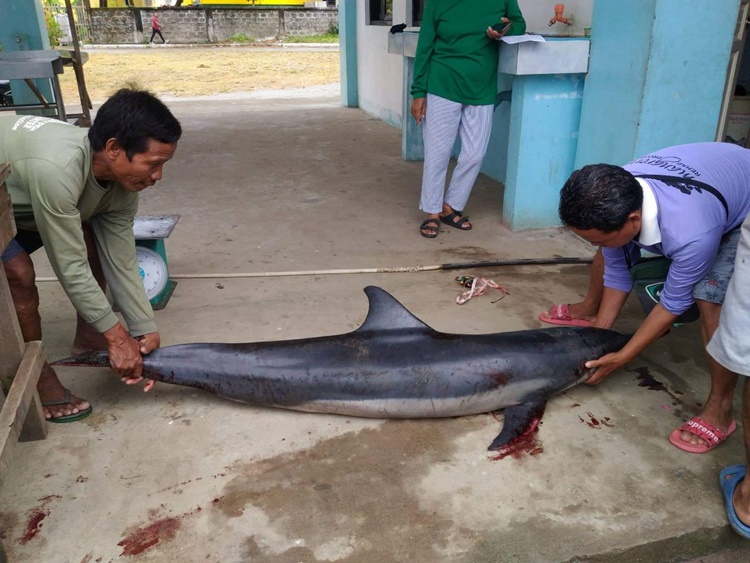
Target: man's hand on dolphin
column 604, row 366
column 125, row 357
column 657, row 324
column 148, row 343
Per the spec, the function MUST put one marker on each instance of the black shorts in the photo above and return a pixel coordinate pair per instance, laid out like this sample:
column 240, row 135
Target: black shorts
column 24, row 241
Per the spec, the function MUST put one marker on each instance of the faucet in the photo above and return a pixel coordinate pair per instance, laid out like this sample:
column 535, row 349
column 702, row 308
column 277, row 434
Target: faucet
column 559, row 8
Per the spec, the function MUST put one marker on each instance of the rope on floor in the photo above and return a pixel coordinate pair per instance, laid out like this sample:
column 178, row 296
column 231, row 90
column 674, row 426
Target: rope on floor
column 561, row 260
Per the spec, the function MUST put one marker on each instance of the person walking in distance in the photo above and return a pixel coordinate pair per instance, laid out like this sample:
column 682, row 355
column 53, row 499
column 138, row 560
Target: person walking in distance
column 156, row 28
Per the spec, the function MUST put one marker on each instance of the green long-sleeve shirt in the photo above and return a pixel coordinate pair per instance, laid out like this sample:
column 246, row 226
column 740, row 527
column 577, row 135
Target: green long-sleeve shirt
column 455, row 59
column 52, row 188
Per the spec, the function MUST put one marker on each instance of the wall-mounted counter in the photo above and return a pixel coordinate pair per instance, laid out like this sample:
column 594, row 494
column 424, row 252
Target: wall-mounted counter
column 545, row 113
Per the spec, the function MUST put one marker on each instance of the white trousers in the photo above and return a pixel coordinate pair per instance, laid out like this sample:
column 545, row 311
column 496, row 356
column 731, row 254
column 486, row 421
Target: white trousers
column 443, row 119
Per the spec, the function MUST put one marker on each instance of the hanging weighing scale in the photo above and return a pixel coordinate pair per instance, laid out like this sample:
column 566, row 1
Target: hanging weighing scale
column 150, row 232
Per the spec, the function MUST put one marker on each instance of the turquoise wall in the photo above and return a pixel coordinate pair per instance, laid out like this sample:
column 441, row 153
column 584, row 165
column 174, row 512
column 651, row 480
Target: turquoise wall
column 687, row 73
column 22, row 25
column 347, row 53
column 412, row 145
column 656, row 76
column 544, row 120
column 22, row 28
column 495, row 165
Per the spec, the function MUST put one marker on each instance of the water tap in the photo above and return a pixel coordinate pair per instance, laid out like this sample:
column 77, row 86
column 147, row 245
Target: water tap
column 559, row 9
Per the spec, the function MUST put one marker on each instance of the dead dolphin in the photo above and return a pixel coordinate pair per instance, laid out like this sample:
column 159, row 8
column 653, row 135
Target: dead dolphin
column 393, row 366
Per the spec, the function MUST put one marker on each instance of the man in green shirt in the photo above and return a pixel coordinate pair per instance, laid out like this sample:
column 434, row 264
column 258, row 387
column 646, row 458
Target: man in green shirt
column 76, row 193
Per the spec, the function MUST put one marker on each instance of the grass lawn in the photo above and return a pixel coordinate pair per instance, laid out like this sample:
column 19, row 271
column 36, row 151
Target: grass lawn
column 326, row 38
column 201, row 71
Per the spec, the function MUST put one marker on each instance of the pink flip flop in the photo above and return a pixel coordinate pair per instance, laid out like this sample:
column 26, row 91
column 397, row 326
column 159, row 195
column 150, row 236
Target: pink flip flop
column 702, row 429
column 561, row 316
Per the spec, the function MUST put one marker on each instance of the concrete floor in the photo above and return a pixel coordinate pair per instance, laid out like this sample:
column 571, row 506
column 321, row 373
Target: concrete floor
column 295, row 184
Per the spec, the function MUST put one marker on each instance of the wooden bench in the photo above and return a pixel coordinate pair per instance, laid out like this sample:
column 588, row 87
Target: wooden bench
column 21, row 413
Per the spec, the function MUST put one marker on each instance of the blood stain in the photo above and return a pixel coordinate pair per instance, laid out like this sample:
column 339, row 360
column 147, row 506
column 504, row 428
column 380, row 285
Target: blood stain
column 530, row 446
column 148, row 536
column 526, row 444
column 653, row 384
column 594, row 422
column 34, row 525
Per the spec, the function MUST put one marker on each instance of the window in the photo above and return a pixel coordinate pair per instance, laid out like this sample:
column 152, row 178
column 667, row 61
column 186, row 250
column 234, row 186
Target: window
column 380, row 12
column 417, row 9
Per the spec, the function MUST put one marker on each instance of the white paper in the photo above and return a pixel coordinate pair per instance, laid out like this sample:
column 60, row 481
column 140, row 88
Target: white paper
column 513, row 39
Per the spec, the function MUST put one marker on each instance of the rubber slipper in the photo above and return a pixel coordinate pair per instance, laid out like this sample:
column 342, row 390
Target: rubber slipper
column 81, row 414
column 561, row 316
column 729, row 478
column 702, row 429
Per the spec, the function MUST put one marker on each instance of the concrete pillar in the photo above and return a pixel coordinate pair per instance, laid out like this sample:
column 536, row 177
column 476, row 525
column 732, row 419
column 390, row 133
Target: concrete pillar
column 544, row 117
column 348, row 53
column 656, row 76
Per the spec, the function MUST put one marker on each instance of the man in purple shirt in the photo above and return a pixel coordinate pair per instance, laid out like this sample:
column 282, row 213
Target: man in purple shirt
column 686, row 203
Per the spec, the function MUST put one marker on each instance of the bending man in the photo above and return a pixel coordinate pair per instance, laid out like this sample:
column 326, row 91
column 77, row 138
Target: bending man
column 655, row 204
column 76, row 193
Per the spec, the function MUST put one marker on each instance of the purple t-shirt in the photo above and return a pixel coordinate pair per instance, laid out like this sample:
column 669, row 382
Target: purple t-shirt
column 691, row 224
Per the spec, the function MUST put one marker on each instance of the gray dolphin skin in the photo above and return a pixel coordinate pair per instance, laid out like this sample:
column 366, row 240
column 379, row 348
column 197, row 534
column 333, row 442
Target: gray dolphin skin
column 393, row 366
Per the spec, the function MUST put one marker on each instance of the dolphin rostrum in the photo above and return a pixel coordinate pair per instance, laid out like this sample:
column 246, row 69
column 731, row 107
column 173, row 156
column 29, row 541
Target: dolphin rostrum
column 393, row 366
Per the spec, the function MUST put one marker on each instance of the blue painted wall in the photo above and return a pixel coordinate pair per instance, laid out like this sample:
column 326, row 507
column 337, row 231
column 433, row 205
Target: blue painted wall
column 495, row 164
column 687, row 73
column 347, row 53
column 22, row 28
column 22, row 25
column 412, row 144
column 544, row 122
column 656, row 76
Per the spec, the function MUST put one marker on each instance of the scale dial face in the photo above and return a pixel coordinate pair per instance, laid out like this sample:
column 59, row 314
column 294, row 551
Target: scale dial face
column 153, row 271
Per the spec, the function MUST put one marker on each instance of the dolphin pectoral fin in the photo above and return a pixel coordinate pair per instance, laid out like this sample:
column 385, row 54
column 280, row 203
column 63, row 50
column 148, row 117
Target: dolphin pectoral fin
column 519, row 424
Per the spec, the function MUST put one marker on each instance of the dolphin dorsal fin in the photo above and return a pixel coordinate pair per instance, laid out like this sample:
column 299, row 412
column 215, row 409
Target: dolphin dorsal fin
column 386, row 313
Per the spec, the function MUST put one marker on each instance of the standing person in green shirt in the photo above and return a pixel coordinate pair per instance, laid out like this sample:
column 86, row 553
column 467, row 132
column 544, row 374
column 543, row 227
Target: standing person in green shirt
column 454, row 90
column 76, row 193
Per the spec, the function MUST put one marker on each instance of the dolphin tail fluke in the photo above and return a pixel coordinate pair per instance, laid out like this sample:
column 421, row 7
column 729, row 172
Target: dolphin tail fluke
column 519, row 425
column 88, row 359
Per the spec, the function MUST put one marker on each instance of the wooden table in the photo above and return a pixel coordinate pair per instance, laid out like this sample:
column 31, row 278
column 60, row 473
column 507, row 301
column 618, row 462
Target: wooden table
column 21, row 413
